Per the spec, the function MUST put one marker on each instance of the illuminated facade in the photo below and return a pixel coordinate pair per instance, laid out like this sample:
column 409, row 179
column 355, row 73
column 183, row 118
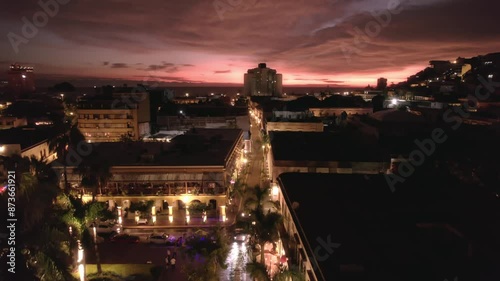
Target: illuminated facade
column 263, row 81
column 196, row 166
column 109, row 119
column 21, row 79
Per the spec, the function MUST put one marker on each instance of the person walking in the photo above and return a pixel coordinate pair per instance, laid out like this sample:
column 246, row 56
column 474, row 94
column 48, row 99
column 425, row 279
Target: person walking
column 172, row 263
column 167, row 261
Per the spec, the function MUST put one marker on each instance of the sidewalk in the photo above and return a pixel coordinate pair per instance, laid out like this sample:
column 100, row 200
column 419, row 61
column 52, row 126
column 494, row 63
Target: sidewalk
column 179, row 221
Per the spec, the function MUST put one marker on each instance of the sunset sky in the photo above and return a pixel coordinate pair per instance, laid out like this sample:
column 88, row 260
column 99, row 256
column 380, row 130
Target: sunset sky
column 91, row 42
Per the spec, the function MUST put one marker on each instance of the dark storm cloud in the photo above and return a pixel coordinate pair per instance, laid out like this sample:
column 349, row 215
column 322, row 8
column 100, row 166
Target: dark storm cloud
column 166, row 79
column 166, row 67
column 119, row 65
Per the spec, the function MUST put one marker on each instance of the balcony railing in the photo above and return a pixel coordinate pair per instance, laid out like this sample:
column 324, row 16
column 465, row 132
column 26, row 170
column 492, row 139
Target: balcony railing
column 152, row 191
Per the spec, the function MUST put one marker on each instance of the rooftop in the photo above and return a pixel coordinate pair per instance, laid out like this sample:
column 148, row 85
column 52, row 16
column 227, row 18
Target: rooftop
column 26, row 136
column 199, row 147
column 398, row 116
column 419, row 232
column 325, row 146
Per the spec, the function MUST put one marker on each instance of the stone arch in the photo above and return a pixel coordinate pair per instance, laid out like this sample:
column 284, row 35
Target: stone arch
column 195, row 201
column 213, row 204
column 180, row 204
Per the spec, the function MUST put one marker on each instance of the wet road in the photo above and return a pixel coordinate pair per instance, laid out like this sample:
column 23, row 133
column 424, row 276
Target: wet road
column 236, row 261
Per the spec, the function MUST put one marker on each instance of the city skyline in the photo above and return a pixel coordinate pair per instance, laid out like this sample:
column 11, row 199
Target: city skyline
column 325, row 42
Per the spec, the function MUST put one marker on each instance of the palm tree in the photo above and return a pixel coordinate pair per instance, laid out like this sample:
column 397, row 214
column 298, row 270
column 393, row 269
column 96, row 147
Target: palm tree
column 290, row 274
column 95, row 173
column 43, row 239
column 214, row 251
column 266, row 228
column 62, row 145
column 263, row 221
column 257, row 271
column 260, row 196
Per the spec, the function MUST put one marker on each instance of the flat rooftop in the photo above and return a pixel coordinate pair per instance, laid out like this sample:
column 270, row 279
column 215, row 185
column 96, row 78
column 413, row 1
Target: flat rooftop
column 325, row 146
column 26, row 136
column 419, row 232
column 199, row 147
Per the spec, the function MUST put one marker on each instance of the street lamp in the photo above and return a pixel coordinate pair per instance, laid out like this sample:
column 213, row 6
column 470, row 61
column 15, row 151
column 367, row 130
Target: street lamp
column 170, row 214
column 80, row 261
column 223, row 213
column 120, row 220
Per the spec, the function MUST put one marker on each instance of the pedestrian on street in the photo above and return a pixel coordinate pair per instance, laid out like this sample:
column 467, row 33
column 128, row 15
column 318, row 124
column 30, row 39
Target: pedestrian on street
column 172, row 263
column 175, row 255
column 167, row 262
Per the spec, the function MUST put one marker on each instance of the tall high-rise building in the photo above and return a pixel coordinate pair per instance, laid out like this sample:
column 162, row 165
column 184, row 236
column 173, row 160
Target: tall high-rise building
column 263, row 81
column 21, row 79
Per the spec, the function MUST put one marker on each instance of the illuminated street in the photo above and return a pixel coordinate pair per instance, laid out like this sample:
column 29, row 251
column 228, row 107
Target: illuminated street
column 236, row 263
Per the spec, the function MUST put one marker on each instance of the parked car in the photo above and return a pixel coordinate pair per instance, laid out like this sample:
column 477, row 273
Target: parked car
column 157, row 238
column 142, row 220
column 105, row 221
column 125, row 238
column 106, row 228
column 239, row 236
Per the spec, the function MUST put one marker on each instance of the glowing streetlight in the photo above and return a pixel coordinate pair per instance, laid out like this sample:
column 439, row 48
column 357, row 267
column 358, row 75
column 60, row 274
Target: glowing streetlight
column 223, row 213
column 80, row 260
column 170, row 214
column 119, row 208
column 204, row 216
column 94, row 231
column 154, row 219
